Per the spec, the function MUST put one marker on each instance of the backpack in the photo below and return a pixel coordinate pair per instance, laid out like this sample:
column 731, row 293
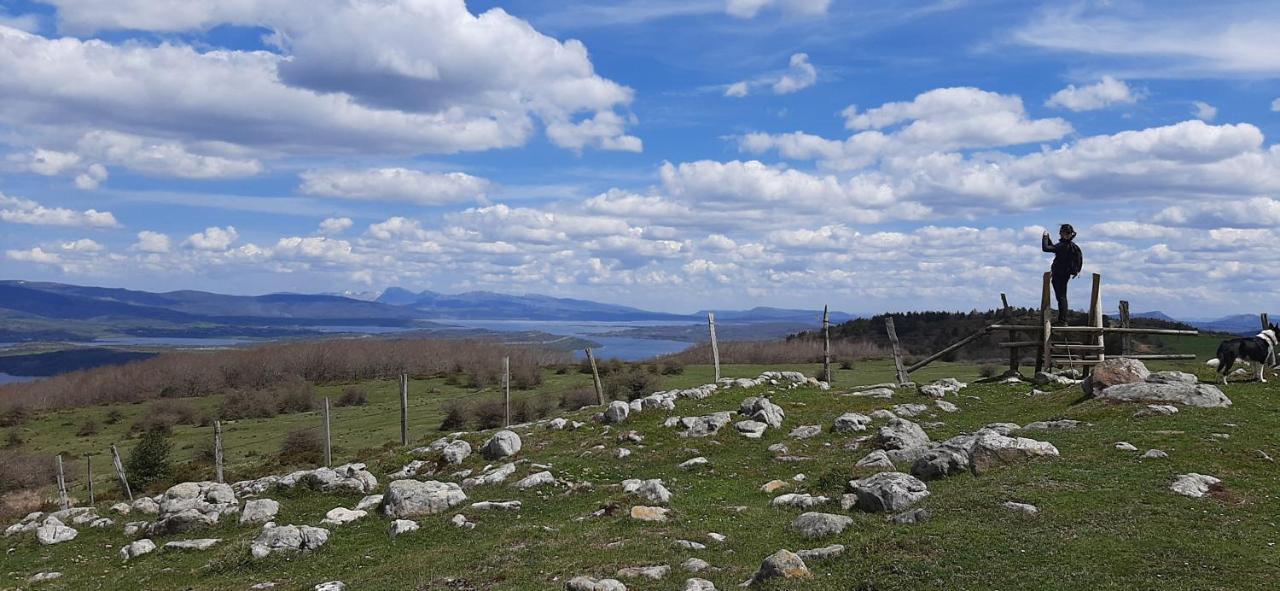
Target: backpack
column 1077, row 259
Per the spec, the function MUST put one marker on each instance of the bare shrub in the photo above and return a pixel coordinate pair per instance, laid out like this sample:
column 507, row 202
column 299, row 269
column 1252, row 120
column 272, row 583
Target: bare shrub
column 14, row 439
column 87, row 428
column 18, row 503
column 15, row 416
column 294, row 395
column 456, row 417
column 20, row 470
column 631, row 384
column 302, row 446
column 988, row 371
column 577, row 398
column 489, row 414
column 248, row 405
column 180, row 412
column 770, row 352
column 353, row 396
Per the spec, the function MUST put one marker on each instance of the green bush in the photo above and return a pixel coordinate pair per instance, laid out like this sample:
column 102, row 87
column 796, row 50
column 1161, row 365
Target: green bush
column 148, row 463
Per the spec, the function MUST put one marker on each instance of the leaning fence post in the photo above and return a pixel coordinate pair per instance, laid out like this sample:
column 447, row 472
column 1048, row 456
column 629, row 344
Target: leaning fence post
column 62, row 487
column 328, row 439
column 595, row 378
column 715, row 349
column 1014, row 353
column 897, row 350
column 1266, row 321
column 119, row 467
column 826, row 345
column 88, row 464
column 217, row 451
column 404, row 409
column 506, row 391
column 1126, row 344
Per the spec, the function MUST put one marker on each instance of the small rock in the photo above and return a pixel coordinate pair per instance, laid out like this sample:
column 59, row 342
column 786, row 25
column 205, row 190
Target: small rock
column 1052, row 425
column 909, row 410
column 1156, row 410
column 44, row 576
column 851, row 422
column 696, row 584
column 817, row 525
column 806, row 432
column 643, row 513
column 824, row 553
column 197, row 544
column 456, row 452
column 773, row 485
column 503, row 444
column 781, row 564
column 1194, row 485
column 497, row 506
column 690, row 545
column 1155, row 454
column 656, row 573
column 259, row 511
column 1125, row 446
column 590, row 584
column 1021, row 507
column 369, row 502
column 617, row 412
column 535, row 480
column 460, row 521
column 912, row 516
column 800, row 501
column 945, row 406
column 402, row 526
column 331, row 586
column 136, row 549
column 651, row 490
column 888, row 491
column 751, row 429
column 694, row 463
column 876, row 460
column 695, row 565
column 717, row 537
column 621, row 453
column 412, row 498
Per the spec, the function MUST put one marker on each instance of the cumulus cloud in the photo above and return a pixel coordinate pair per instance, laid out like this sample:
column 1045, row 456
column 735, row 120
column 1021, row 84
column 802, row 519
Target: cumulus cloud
column 1257, row 212
column 751, row 8
column 1204, row 111
column 1275, row 105
column 422, row 77
column 25, row 211
column 34, row 255
column 798, row 76
column 1106, row 92
column 154, row 242
column 82, row 245
column 335, row 225
column 162, row 158
column 394, row 184
column 212, row 238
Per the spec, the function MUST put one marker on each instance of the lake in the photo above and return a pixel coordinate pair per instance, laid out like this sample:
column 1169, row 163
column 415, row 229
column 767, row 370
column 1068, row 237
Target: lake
column 8, row 379
column 624, row 348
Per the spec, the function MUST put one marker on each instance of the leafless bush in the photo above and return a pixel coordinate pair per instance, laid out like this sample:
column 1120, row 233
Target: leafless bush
column 353, row 396
column 87, row 428
column 20, row 470
column 489, row 414
column 577, row 398
column 456, row 417
column 302, row 446
column 765, row 352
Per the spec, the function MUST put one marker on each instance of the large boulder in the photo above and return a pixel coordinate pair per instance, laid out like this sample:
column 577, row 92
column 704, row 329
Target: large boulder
column 782, row 564
column 991, row 449
column 888, row 491
column 193, row 505
column 1198, row 395
column 288, row 538
column 945, row 459
column 617, row 412
column 54, row 532
column 456, row 451
column 901, row 434
column 406, row 499
column 819, row 525
column 503, row 444
column 259, row 511
column 1114, row 371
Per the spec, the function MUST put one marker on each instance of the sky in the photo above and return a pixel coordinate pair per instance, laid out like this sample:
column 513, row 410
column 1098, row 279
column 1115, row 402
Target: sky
column 674, row 155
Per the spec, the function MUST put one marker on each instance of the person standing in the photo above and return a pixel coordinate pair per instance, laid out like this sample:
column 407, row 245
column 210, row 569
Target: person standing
column 1067, row 262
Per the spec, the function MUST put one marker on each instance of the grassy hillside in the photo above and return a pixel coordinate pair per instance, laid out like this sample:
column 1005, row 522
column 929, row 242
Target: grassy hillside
column 1107, row 518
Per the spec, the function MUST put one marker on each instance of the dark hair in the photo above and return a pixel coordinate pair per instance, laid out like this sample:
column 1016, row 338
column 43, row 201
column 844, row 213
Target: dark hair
column 1067, row 229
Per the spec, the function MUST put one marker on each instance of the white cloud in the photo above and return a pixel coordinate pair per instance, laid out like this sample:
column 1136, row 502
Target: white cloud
column 162, row 158
column 315, row 247
column 35, row 255
column 421, row 77
column 335, row 225
column 1257, row 212
column 52, row 162
column 394, row 184
column 154, row 242
column 82, row 245
column 1275, row 105
column 750, row 8
column 397, row 228
column 25, row 211
column 1130, row 231
column 1204, row 111
column 798, row 76
column 92, row 176
column 1106, row 92
column 212, row 238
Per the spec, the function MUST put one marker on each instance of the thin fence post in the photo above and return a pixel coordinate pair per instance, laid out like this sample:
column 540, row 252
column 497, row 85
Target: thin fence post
column 404, row 409
column 62, row 487
column 1095, row 319
column 1014, row 353
column 715, row 348
column 826, row 344
column 217, row 451
column 595, row 377
column 88, row 464
column 1266, row 321
column 328, row 439
column 1044, row 360
column 119, row 467
column 1126, row 344
column 506, row 390
column 897, row 350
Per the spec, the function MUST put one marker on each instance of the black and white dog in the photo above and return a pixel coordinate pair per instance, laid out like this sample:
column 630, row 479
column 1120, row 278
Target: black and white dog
column 1259, row 350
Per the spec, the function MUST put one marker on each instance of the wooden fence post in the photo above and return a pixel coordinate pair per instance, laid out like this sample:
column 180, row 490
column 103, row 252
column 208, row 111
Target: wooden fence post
column 62, row 487
column 217, row 451
column 1266, row 321
column 826, row 345
column 1126, row 342
column 88, row 465
column 715, row 348
column 1044, row 359
column 897, row 350
column 595, row 378
column 1014, row 353
column 403, row 408
column 328, row 437
column 119, row 467
column 1095, row 319
column 506, row 390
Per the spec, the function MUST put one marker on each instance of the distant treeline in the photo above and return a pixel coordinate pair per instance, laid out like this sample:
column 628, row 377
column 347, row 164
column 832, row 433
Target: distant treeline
column 791, row 350
column 200, row 373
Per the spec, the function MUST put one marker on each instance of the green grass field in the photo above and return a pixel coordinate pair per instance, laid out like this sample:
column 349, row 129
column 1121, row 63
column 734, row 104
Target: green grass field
column 1107, row 521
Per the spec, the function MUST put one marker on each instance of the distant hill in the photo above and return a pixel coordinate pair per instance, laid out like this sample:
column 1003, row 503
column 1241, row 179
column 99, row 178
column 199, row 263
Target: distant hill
column 767, row 314
column 1239, row 324
column 488, row 305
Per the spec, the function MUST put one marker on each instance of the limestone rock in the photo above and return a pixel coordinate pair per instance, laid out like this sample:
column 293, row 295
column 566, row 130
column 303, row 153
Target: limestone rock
column 330, row 586
column 696, row 584
column 656, row 573
column 690, row 545
column 535, row 480
column 401, row 526
column 1125, row 446
column 773, row 485
column 991, row 449
column 345, row 478
column 850, row 422
column 259, row 511
column 54, row 532
column 819, row 525
column 1156, row 410
column 901, row 434
column 617, row 412
column 911, row 517
column 497, row 505
column 1194, row 485
column 908, row 410
column 800, row 501
column 192, row 505
column 369, row 502
column 43, row 577
column 1155, row 454
column 643, row 513
column 704, row 426
column 136, row 549
column 805, row 432
column 1197, row 395
column 695, row 565
column 503, row 444
column 651, row 490
column 1052, row 425
column 456, row 452
column 945, row 406
column 288, row 538
column 781, row 564
column 411, row 498
column 590, row 584
column 196, row 544
column 1173, row 377
column 491, row 476
column 824, row 553
column 697, row 462
column 888, row 491
column 876, row 460
column 342, row 516
column 945, row 459
column 1114, row 371
column 1023, row 508
column 751, row 429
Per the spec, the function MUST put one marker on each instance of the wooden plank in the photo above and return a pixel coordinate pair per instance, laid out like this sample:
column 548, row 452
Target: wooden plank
column 217, row 451
column 595, row 378
column 897, row 350
column 404, row 409
column 715, row 348
column 1126, row 341
column 119, row 467
column 328, row 437
column 952, row 347
column 1018, row 344
column 826, row 345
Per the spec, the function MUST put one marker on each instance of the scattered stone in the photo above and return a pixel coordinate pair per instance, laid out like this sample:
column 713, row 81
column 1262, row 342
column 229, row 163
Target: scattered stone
column 823, row 553
column 621, row 453
column 1114, row 371
column 497, row 506
column 121, row 508
column 1125, row 446
column 460, row 521
column 945, row 406
column 54, row 532
column 818, row 525
column 1264, row 455
column 806, row 432
column 800, row 501
column 1197, row 395
column 850, row 422
column 1155, row 454
column 331, row 586
column 908, row 410
column 44, row 577
column 1052, row 425
column 408, row 470
column 617, row 412
column 781, row 564
column 557, row 424
column 1044, row 378
column 881, row 414
column 876, row 460
column 259, row 511
column 197, row 544
column 146, row 505
column 945, row 459
column 643, row 513
column 656, row 573
column 715, row 537
column 402, row 526
column 1194, row 485
column 288, row 538
column 762, row 410
column 492, row 475
column 690, row 545
column 1002, row 428
column 704, row 426
column 345, row 478
column 342, row 516
column 943, row 387
column 136, row 549
column 1024, row 508
column 502, row 444
column 696, row 584
column 773, row 485
column 192, row 505
column 1220, row 435
column 901, row 434
column 133, row 528
column 779, row 448
column 695, row 565
column 991, row 449
column 535, row 480
column 411, row 498
column 1157, row 410
column 911, row 517
column 457, row 451
column 101, row 522
column 369, row 502
column 590, row 584
column 888, row 491
column 751, row 429
column 694, row 463
column 651, row 490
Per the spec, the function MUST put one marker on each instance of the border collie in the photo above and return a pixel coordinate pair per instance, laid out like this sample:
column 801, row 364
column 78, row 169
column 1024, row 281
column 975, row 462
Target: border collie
column 1259, row 350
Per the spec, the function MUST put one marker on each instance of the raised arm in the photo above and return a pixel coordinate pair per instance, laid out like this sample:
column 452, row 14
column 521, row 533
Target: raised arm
column 1046, row 244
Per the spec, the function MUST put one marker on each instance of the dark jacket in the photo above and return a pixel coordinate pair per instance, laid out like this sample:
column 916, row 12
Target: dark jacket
column 1067, row 258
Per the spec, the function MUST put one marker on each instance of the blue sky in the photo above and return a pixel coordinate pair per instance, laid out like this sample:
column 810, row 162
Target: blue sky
column 675, row 155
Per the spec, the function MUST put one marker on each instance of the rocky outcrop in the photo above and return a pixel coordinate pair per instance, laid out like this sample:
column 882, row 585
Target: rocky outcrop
column 888, row 491
column 1114, row 371
column 991, row 449
column 288, row 538
column 193, row 505
column 411, row 498
column 1197, row 395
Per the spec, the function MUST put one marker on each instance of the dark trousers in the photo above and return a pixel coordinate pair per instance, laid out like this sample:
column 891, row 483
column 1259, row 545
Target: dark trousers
column 1060, row 291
